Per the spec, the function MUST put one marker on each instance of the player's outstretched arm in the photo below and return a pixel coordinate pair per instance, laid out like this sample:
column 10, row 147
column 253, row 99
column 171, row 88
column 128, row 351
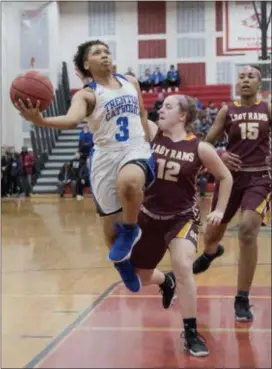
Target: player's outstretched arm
column 214, row 164
column 143, row 112
column 218, row 126
column 78, row 110
column 152, row 129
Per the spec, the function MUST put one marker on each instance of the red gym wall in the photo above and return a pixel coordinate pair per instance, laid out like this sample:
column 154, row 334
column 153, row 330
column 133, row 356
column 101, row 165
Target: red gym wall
column 154, row 22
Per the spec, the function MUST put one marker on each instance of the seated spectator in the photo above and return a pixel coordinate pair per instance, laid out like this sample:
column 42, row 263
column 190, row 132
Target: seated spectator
column 197, row 127
column 27, row 169
column 85, row 141
column 66, row 178
column 172, row 79
column 199, row 105
column 153, row 115
column 202, row 181
column 211, row 111
column 158, row 103
column 157, row 78
column 15, row 174
column 83, row 180
column 205, row 125
column 145, row 81
column 5, row 172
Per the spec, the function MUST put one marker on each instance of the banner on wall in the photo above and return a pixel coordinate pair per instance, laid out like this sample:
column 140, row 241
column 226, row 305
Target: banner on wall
column 241, row 27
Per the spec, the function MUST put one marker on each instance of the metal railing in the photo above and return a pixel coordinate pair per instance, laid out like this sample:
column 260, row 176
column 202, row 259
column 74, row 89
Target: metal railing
column 43, row 140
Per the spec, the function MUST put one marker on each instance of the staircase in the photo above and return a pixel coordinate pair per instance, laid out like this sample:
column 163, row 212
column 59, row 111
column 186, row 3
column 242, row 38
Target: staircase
column 65, row 149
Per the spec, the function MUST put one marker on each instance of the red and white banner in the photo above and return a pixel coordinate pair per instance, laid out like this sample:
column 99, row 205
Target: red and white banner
column 241, row 27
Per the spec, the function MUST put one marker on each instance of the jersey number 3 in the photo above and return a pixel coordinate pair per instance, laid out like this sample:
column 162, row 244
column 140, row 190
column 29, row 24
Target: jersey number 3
column 122, row 122
column 249, row 131
column 168, row 170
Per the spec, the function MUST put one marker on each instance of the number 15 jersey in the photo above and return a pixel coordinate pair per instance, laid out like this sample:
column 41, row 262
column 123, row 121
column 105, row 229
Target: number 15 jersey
column 248, row 130
column 115, row 121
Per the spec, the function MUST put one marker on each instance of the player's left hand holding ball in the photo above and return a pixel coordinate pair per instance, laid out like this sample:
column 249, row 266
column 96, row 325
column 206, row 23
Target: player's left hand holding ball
column 29, row 112
column 215, row 217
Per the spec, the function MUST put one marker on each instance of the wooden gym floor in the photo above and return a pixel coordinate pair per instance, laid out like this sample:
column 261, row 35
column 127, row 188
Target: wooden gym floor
column 62, row 304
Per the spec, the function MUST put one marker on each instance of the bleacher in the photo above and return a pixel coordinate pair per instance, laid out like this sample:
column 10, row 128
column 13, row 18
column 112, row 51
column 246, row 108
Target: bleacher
column 206, row 93
column 215, row 93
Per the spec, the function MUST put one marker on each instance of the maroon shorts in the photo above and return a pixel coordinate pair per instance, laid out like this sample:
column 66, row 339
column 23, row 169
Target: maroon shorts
column 157, row 235
column 250, row 191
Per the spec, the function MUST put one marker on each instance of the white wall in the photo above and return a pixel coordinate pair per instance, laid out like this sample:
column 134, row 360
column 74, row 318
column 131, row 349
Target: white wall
column 10, row 121
column 14, row 130
column 74, row 31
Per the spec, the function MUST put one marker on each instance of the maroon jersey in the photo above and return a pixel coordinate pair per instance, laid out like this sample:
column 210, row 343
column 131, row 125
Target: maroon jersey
column 177, row 165
column 248, row 130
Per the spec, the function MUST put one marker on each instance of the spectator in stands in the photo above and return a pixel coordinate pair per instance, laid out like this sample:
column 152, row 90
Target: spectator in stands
column 211, row 111
column 129, row 72
column 197, row 126
column 27, row 168
column 66, row 178
column 15, row 174
column 158, row 103
column 199, row 105
column 205, row 125
column 83, row 180
column 85, row 141
column 145, row 81
column 157, row 78
column 172, row 79
column 222, row 104
column 153, row 115
column 5, row 172
column 202, row 181
column 76, row 163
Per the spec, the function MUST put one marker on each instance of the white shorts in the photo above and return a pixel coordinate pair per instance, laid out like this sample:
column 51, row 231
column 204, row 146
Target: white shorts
column 104, row 168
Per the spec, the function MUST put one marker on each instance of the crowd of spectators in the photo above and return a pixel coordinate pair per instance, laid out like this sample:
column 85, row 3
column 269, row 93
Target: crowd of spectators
column 18, row 171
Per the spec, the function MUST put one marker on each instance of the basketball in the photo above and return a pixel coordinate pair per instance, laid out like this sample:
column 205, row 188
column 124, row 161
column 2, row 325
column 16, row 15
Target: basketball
column 35, row 86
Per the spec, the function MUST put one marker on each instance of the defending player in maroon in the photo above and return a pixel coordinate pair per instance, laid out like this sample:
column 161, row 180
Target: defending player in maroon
column 247, row 124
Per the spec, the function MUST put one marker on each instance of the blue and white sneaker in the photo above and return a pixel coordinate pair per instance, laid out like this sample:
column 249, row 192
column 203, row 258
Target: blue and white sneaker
column 128, row 275
column 127, row 237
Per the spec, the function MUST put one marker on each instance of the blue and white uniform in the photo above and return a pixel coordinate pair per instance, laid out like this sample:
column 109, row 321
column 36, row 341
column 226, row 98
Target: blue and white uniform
column 118, row 138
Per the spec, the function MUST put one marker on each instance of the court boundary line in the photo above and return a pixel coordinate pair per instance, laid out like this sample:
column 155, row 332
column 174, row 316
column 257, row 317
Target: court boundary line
column 76, row 324
column 69, row 328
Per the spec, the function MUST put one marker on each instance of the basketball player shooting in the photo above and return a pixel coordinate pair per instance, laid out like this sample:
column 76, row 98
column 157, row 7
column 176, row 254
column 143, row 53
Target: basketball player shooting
column 248, row 125
column 121, row 163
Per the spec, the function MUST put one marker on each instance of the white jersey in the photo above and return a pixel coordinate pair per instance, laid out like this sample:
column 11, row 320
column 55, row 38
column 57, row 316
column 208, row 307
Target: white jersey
column 115, row 121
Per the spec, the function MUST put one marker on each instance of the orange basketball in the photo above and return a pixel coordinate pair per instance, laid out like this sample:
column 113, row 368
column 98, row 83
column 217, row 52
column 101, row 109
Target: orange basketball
column 35, row 86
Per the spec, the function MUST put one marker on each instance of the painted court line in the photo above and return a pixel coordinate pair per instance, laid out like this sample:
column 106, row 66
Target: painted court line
column 198, row 296
column 64, row 334
column 109, row 293
column 165, row 329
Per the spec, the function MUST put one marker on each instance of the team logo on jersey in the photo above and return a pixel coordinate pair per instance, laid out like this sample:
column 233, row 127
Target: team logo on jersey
column 173, row 154
column 120, row 105
column 249, row 116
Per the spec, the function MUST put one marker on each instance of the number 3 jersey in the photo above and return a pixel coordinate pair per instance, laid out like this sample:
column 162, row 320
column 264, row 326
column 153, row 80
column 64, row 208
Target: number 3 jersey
column 115, row 121
column 248, row 130
column 177, row 165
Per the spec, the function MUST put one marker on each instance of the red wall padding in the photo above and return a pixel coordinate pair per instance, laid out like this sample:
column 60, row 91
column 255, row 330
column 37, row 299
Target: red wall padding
column 151, row 17
column 192, row 73
column 151, row 49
